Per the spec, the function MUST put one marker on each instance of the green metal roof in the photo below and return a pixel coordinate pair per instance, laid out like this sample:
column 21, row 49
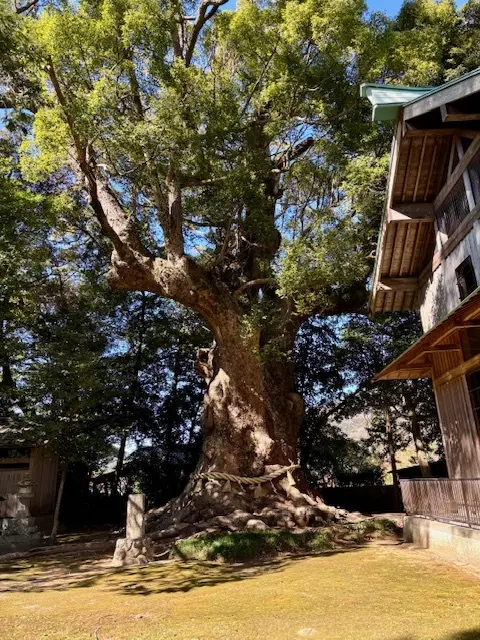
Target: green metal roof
column 387, row 99
column 450, row 83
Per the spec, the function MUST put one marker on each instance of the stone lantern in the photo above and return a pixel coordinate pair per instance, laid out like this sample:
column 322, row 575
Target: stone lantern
column 20, row 530
column 25, row 495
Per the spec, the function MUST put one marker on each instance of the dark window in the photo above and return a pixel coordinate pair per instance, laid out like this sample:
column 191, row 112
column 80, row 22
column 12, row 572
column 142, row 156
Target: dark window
column 473, row 380
column 453, row 209
column 470, row 339
column 466, row 280
column 466, row 142
column 14, row 452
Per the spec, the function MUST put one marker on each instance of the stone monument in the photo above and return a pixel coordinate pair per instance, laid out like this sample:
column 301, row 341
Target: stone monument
column 18, row 530
column 136, row 547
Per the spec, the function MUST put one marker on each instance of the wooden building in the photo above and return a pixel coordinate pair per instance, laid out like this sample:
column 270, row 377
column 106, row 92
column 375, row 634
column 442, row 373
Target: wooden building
column 428, row 255
column 23, row 456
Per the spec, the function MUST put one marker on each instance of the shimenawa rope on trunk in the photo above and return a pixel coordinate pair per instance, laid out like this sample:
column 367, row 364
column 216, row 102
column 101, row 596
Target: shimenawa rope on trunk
column 243, row 480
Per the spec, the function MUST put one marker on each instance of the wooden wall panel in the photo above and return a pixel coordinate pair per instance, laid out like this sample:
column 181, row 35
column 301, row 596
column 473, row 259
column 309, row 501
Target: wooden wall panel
column 460, row 434
column 43, row 472
column 445, row 361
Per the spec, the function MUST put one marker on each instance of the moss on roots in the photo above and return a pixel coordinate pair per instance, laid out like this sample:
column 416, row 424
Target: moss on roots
column 245, row 546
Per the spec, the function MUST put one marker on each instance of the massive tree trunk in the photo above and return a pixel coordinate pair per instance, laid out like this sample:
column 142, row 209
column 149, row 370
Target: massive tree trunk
column 251, row 421
column 248, row 422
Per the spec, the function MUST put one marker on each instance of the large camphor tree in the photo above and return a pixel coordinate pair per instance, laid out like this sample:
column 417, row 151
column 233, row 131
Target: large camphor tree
column 230, row 163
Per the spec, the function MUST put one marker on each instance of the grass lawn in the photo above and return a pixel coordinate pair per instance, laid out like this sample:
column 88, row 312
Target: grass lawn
column 383, row 591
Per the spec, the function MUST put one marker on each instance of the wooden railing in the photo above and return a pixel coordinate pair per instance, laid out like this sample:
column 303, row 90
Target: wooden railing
column 445, row 499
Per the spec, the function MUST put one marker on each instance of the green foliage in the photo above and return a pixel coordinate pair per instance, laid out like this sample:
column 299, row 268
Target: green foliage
column 464, row 55
column 247, row 546
column 371, row 346
column 292, row 61
column 423, row 34
column 262, row 80
column 18, row 81
column 336, row 360
column 49, row 152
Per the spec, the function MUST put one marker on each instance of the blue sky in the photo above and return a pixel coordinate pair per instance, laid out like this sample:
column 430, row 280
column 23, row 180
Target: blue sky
column 390, row 7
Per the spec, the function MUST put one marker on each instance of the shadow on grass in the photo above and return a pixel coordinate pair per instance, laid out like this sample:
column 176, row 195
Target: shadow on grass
column 468, row 634
column 185, row 576
column 45, row 573
column 63, row 573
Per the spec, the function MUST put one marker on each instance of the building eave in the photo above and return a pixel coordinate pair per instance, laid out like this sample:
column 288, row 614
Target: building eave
column 387, row 100
column 416, row 361
column 419, row 170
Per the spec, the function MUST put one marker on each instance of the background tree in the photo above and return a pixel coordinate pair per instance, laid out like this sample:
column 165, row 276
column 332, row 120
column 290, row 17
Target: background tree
column 65, row 392
column 163, row 419
column 402, row 411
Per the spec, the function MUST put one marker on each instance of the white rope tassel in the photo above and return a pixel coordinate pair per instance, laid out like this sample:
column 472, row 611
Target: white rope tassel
column 228, row 487
column 258, row 491
column 290, row 479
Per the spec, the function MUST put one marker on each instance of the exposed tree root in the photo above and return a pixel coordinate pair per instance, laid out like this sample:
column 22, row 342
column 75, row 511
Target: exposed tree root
column 210, row 508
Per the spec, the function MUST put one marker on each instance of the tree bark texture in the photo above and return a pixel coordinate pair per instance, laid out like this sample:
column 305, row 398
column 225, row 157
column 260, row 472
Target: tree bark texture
column 58, row 503
column 393, row 460
column 251, row 421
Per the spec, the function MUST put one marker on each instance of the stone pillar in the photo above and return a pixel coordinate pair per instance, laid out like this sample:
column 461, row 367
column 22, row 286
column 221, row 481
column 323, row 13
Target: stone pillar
column 18, row 530
column 136, row 548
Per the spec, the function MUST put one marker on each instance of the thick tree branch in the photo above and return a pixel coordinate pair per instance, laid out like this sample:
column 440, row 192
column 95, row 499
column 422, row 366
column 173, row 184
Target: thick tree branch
column 170, row 213
column 283, row 163
column 26, row 7
column 116, row 224
column 351, row 300
column 206, row 11
column 226, row 241
column 258, row 282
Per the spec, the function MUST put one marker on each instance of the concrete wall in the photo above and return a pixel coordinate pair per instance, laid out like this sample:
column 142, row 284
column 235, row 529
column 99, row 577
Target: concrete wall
column 439, row 293
column 455, row 543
